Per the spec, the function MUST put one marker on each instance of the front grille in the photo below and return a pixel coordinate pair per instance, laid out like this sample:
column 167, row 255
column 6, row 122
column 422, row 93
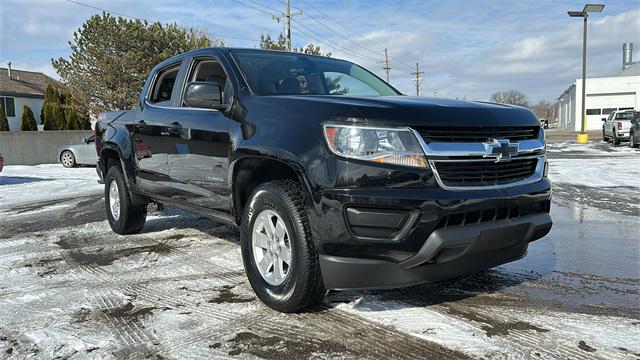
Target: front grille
column 485, row 172
column 478, row 134
column 494, row 214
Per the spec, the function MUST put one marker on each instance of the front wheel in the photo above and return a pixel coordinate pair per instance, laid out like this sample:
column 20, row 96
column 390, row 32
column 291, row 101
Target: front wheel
column 604, row 137
column 278, row 253
column 67, row 159
column 124, row 217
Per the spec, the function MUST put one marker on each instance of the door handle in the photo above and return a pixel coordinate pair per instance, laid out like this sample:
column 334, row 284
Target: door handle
column 141, row 124
column 175, row 127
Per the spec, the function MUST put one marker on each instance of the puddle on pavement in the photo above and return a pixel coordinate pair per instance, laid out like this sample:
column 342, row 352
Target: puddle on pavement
column 589, row 259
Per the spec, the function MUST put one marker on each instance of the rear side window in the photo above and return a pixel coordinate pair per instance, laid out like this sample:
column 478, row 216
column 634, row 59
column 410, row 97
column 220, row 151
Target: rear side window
column 624, row 116
column 163, row 85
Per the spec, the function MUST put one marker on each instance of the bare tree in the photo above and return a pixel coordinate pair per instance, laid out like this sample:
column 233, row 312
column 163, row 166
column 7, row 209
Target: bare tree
column 511, row 97
column 543, row 109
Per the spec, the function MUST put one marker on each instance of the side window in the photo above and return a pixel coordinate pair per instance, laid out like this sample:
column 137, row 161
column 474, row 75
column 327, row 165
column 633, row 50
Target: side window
column 343, row 84
column 9, row 106
column 163, row 85
column 209, row 70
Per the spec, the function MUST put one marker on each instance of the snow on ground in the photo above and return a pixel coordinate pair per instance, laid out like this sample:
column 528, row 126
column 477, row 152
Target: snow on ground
column 72, row 288
column 596, row 164
column 26, row 184
column 496, row 331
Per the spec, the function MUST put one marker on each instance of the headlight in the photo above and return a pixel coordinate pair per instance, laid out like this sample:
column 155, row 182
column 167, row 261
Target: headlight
column 380, row 145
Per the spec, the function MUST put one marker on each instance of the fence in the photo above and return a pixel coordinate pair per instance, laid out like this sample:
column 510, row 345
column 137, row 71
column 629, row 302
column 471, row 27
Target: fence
column 36, row 147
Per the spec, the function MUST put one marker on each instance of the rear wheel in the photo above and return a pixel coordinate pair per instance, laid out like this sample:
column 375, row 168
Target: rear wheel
column 67, row 159
column 616, row 141
column 124, row 217
column 278, row 252
column 632, row 140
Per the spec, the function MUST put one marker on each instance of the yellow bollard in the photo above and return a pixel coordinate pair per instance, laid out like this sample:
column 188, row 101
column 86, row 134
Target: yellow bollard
column 583, row 138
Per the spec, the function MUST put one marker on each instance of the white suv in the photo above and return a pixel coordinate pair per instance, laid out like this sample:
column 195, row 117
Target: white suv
column 616, row 127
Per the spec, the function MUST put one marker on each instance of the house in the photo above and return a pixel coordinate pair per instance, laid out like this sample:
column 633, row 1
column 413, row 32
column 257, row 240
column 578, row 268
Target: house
column 19, row 88
column 604, row 95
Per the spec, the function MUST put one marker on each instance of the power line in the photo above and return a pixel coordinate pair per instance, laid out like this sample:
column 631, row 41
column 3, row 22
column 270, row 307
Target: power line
column 321, row 38
column 344, row 37
column 152, row 21
column 254, row 8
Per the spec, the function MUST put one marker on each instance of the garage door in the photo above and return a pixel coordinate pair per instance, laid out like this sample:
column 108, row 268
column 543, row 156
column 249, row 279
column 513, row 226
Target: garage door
column 606, row 103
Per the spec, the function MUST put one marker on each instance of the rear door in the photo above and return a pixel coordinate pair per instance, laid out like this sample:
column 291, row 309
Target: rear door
column 153, row 137
column 199, row 169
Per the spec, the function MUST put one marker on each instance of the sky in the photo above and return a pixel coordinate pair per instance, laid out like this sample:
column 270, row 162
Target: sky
column 467, row 49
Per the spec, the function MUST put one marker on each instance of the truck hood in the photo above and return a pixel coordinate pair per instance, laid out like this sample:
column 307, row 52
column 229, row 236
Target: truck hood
column 422, row 111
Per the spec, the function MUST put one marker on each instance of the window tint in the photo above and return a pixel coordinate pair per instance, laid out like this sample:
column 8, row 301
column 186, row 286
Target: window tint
column 593, row 111
column 8, row 105
column 163, row 86
column 209, row 70
column 624, row 116
column 274, row 73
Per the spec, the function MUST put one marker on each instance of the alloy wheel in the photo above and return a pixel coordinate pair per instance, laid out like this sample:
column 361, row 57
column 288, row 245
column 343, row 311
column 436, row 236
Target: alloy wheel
column 67, row 159
column 271, row 247
column 114, row 200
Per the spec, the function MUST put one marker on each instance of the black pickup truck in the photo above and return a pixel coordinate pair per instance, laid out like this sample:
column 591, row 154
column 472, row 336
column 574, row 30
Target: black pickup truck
column 336, row 180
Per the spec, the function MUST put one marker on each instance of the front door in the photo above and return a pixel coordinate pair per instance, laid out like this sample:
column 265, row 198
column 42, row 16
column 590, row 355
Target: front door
column 152, row 133
column 199, row 167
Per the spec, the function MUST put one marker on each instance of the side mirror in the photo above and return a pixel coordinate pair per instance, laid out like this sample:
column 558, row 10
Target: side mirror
column 604, row 119
column 202, row 94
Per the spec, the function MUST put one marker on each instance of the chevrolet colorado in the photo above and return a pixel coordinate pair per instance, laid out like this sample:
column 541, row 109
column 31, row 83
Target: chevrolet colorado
column 336, row 180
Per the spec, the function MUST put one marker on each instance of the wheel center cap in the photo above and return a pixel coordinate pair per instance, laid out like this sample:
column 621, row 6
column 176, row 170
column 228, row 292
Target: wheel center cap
column 273, row 247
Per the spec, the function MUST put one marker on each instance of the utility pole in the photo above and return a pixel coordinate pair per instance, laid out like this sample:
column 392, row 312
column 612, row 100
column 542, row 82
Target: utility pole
column 386, row 66
column 286, row 17
column 418, row 78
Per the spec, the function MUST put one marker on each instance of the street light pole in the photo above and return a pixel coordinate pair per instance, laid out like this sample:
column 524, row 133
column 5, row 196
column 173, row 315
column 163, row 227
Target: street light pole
column 583, row 138
column 584, row 76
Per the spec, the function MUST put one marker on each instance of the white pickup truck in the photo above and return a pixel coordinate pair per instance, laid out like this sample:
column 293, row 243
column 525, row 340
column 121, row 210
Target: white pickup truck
column 616, row 127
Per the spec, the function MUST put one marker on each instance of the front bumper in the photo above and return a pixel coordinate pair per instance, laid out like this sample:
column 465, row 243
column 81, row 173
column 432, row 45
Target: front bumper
column 447, row 252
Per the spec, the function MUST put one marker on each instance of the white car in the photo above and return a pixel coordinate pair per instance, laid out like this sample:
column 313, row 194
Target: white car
column 616, row 127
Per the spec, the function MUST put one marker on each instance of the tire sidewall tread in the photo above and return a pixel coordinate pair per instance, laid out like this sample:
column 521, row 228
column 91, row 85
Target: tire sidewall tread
column 132, row 217
column 303, row 286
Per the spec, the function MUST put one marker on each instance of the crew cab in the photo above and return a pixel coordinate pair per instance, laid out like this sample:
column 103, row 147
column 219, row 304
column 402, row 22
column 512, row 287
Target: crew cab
column 616, row 127
column 336, row 180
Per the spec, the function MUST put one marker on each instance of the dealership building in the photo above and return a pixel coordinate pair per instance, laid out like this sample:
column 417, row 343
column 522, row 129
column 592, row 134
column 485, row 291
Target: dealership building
column 604, row 95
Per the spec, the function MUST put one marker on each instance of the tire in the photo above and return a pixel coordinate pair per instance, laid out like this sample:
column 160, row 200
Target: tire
column 616, row 141
column 67, row 159
column 632, row 140
column 604, row 137
column 280, row 203
column 124, row 217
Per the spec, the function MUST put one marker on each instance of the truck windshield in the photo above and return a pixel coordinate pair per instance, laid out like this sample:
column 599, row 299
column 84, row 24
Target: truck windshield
column 273, row 73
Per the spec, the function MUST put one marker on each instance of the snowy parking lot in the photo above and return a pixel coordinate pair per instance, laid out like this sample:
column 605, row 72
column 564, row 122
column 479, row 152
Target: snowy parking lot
column 71, row 288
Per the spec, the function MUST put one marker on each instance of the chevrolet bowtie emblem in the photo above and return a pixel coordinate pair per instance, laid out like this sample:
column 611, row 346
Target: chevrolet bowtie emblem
column 501, row 150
